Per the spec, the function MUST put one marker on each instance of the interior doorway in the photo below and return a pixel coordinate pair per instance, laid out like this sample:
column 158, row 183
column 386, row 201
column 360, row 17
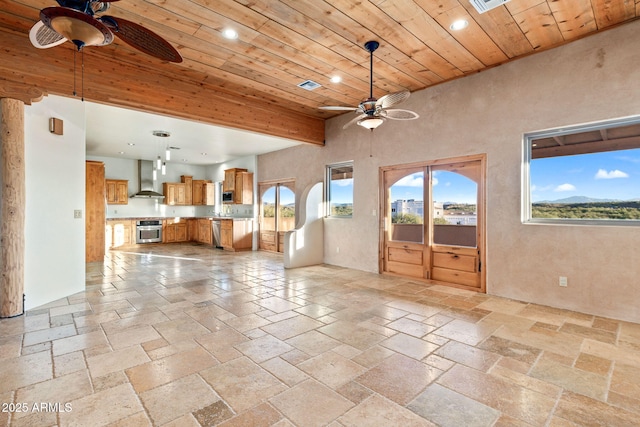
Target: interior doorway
column 277, row 213
column 433, row 222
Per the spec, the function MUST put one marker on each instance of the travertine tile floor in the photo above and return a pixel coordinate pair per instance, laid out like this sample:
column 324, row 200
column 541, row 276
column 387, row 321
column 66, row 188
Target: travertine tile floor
column 187, row 335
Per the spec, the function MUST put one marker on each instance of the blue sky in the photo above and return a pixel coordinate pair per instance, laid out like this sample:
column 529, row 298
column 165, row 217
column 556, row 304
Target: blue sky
column 286, row 196
column 608, row 175
column 447, row 187
column 342, row 191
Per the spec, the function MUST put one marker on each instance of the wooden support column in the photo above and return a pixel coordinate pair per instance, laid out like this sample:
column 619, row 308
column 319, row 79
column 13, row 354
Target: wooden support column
column 12, row 198
column 12, row 212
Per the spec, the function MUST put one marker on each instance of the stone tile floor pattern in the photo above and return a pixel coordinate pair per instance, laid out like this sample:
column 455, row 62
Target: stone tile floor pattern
column 187, row 335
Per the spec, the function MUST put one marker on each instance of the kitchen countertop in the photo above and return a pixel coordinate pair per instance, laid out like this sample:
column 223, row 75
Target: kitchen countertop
column 212, row 218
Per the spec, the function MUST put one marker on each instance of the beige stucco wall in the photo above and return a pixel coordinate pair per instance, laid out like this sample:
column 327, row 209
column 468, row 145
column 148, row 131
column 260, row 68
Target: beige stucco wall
column 592, row 79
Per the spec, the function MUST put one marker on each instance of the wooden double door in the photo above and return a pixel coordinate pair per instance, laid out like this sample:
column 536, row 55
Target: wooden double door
column 277, row 213
column 433, row 222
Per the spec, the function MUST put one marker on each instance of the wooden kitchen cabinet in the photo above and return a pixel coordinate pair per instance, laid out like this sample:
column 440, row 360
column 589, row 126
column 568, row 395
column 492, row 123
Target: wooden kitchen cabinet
column 241, row 183
column 192, row 229
column 243, row 193
column 117, row 191
column 226, row 233
column 94, row 211
column 204, row 231
column 229, row 183
column 187, row 180
column 119, row 232
column 175, row 231
column 181, row 232
column 203, row 192
column 174, row 193
column 236, row 235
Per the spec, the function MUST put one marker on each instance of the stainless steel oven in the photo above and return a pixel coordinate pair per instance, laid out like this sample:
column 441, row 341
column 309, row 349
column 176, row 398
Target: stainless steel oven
column 149, row 231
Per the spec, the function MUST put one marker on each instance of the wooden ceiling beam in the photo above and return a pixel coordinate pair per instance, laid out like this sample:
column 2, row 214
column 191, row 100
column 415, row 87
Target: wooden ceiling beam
column 148, row 88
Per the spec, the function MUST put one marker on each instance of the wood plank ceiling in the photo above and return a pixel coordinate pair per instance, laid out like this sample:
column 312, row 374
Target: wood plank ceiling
column 251, row 83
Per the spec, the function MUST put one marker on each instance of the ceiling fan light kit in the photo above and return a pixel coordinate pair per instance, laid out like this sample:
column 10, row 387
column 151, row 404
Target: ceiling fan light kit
column 75, row 20
column 370, row 122
column 373, row 112
column 80, row 28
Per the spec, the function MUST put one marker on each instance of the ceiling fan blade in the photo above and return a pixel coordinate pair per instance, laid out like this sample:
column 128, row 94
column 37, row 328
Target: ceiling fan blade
column 81, row 5
column 398, row 114
column 338, row 108
column 349, row 123
column 44, row 37
column 392, row 99
column 142, row 38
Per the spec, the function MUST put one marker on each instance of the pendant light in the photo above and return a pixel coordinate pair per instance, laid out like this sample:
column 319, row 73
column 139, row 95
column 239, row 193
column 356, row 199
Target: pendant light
column 160, row 165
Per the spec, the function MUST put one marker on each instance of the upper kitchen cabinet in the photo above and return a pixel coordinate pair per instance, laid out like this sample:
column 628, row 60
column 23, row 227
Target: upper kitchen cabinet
column 243, row 192
column 229, row 183
column 240, row 183
column 117, row 191
column 175, row 193
column 188, row 188
column 203, row 192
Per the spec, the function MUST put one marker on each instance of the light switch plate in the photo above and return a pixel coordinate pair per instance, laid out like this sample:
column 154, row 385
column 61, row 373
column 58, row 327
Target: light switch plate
column 77, row 213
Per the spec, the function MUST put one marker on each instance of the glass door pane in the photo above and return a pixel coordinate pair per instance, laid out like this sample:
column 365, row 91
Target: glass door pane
column 455, row 204
column 286, row 209
column 407, row 208
column 268, row 208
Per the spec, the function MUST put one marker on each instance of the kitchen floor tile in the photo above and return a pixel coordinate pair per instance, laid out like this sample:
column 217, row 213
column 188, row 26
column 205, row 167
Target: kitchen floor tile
column 186, row 335
column 311, row 404
column 177, row 398
column 242, row 383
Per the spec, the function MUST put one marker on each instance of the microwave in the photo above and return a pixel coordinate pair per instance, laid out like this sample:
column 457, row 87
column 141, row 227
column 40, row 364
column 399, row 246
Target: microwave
column 227, row 197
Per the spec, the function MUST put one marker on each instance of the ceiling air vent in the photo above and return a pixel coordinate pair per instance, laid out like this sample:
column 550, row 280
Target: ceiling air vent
column 309, row 85
column 483, row 6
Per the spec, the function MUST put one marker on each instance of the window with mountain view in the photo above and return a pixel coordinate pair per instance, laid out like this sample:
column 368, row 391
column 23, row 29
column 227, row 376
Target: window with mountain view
column 588, row 174
column 339, row 191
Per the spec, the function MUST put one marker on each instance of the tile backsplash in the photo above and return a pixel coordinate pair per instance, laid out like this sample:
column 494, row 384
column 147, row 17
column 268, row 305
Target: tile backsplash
column 154, row 208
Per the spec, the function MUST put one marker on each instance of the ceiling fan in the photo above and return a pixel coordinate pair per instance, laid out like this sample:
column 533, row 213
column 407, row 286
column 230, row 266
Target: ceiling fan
column 373, row 112
column 76, row 20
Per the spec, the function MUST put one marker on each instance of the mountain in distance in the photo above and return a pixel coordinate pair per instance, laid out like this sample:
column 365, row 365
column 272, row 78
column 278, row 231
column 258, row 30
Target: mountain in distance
column 583, row 199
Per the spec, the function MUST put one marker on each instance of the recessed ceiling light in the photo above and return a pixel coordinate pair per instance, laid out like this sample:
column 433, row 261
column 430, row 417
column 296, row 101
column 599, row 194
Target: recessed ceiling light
column 203, row 154
column 130, row 144
column 458, row 25
column 230, row 34
column 120, row 152
column 336, row 79
column 161, row 133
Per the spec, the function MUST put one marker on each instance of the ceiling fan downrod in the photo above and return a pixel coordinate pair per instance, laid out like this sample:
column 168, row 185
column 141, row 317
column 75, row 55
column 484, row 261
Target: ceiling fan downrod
column 371, row 47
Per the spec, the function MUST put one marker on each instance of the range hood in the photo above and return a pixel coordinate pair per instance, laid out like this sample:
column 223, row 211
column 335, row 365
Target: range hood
column 145, row 181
